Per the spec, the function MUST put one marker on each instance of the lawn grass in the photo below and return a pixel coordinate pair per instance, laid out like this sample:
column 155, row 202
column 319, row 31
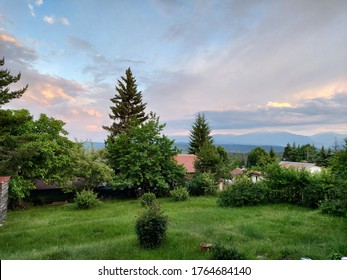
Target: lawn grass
column 107, row 232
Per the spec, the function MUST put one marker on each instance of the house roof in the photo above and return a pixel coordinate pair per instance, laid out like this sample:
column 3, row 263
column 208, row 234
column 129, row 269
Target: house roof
column 5, row 179
column 187, row 160
column 41, row 185
column 238, row 171
column 300, row 165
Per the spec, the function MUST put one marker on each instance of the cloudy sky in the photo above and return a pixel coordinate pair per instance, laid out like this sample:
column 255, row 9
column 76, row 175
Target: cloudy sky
column 248, row 65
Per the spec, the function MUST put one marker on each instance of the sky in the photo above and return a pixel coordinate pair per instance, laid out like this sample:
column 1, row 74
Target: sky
column 247, row 65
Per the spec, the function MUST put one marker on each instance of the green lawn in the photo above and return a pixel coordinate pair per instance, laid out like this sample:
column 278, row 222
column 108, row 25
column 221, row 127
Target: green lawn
column 107, row 232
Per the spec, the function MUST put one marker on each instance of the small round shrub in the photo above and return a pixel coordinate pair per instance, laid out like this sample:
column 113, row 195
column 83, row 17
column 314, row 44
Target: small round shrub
column 86, row 199
column 179, row 194
column 244, row 193
column 221, row 252
column 148, row 199
column 150, row 227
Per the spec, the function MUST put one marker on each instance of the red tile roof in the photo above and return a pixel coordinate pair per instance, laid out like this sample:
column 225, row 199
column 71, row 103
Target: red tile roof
column 187, row 161
column 256, row 173
column 5, row 179
column 237, row 171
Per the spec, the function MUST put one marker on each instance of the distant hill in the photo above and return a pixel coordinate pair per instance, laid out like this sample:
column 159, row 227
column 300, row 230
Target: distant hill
column 234, row 148
column 273, row 139
column 94, row 145
column 247, row 142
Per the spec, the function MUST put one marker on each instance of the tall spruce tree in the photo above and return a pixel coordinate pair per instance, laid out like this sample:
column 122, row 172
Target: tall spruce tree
column 5, row 80
column 128, row 105
column 199, row 134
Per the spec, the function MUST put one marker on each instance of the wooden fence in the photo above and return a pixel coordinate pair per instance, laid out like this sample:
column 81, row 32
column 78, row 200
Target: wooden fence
column 4, row 185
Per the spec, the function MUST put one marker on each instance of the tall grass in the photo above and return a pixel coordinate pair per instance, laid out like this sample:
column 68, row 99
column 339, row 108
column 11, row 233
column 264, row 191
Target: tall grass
column 107, row 232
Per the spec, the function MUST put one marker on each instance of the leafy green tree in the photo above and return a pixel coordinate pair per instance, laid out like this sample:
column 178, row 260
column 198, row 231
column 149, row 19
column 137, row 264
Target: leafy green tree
column 214, row 160
column 31, row 150
column 258, row 157
column 5, row 80
column 199, row 134
column 143, row 158
column 208, row 159
column 338, row 162
column 128, row 106
column 91, row 167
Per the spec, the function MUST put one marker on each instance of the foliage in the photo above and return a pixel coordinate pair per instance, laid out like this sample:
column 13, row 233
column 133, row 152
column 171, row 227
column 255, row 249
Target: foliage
column 86, row 199
column 258, row 157
column 208, row 159
column 5, row 80
column 335, row 256
column 335, row 202
column 337, row 208
column 199, row 134
column 18, row 190
column 151, row 226
column 201, row 184
column 148, row 199
column 244, row 193
column 307, row 153
column 143, row 158
column 214, row 160
column 35, row 149
column 284, row 184
column 128, row 106
column 179, row 194
column 222, row 252
column 91, row 167
column 338, row 162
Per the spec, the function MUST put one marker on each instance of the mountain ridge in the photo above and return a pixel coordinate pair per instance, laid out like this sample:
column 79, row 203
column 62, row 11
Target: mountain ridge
column 247, row 142
column 326, row 139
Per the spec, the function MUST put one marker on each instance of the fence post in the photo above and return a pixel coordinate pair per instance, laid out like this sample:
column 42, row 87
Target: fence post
column 4, row 185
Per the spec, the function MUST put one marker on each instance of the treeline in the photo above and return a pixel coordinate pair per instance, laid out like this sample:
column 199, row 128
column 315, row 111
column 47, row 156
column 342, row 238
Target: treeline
column 308, row 153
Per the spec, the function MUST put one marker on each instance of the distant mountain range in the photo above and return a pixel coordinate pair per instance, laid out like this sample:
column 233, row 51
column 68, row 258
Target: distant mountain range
column 327, row 139
column 234, row 148
column 247, row 142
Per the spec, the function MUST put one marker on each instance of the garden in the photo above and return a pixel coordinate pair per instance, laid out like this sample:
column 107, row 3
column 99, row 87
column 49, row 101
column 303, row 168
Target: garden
column 278, row 231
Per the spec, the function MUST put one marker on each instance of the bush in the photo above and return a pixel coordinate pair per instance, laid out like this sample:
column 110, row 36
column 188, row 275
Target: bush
column 335, row 202
column 150, row 227
column 201, row 183
column 295, row 186
column 148, row 199
column 337, row 208
column 220, row 252
column 244, row 193
column 86, row 199
column 179, row 194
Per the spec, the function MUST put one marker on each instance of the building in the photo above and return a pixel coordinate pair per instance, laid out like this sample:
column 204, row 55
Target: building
column 187, row 161
column 311, row 167
column 256, row 176
column 238, row 171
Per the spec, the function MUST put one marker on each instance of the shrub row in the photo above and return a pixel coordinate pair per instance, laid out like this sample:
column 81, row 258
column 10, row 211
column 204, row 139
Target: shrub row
column 283, row 185
column 244, row 193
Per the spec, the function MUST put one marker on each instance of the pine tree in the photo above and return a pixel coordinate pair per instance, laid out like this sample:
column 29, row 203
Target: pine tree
column 6, row 79
column 272, row 153
column 199, row 134
column 128, row 106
